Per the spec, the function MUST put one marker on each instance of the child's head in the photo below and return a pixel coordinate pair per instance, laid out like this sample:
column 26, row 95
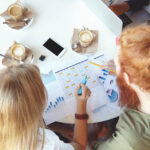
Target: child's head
column 22, row 101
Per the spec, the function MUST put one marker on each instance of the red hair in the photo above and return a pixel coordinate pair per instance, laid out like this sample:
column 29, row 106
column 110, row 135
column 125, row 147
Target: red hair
column 134, row 59
column 128, row 96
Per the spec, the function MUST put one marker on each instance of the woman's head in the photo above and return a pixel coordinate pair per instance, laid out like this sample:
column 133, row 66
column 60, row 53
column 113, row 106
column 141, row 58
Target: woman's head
column 134, row 60
column 22, row 101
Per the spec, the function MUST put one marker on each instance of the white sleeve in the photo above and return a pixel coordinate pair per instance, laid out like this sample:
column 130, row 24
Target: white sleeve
column 52, row 142
column 65, row 146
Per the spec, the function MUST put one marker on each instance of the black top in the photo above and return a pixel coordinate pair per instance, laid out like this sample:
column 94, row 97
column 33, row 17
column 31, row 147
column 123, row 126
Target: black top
column 137, row 4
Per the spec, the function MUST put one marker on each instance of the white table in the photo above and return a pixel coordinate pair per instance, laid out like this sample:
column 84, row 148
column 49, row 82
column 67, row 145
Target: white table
column 56, row 19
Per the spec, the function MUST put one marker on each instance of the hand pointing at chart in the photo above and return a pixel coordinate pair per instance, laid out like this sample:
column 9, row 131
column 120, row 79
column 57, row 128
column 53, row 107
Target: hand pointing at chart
column 82, row 99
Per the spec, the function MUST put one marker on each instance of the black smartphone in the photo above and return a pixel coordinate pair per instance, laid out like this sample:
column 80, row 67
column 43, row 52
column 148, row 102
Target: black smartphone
column 54, row 47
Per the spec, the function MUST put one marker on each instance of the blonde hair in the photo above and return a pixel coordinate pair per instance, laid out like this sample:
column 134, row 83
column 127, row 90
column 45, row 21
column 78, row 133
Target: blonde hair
column 22, row 101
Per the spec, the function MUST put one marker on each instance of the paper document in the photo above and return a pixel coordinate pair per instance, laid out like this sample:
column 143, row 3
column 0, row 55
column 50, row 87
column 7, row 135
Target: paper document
column 57, row 107
column 72, row 75
column 61, row 99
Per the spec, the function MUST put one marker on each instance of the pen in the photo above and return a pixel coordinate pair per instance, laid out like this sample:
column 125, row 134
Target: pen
column 83, row 82
column 101, row 66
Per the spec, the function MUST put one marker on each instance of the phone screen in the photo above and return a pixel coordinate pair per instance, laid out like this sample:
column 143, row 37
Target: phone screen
column 53, row 47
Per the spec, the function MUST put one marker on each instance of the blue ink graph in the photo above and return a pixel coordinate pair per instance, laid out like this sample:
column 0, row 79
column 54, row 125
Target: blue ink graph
column 113, row 95
column 109, row 84
column 54, row 104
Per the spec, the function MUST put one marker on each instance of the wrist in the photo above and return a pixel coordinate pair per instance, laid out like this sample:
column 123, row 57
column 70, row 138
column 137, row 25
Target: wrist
column 81, row 102
column 81, row 108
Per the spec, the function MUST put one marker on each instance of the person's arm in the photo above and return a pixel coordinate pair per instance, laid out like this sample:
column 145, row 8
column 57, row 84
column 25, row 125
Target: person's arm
column 120, row 8
column 80, row 130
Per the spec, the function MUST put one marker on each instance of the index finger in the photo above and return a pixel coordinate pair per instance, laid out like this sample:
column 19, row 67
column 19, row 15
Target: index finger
column 77, row 88
column 83, row 89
